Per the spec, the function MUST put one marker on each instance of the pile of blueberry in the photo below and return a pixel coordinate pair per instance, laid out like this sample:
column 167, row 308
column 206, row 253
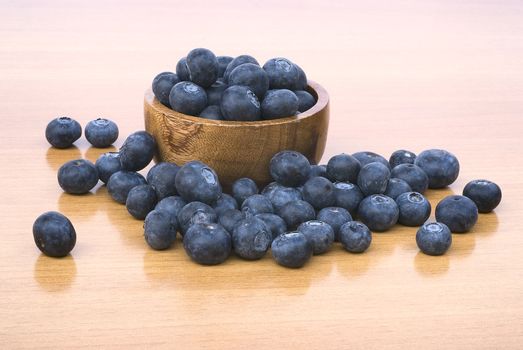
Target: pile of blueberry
column 302, row 213
column 226, row 88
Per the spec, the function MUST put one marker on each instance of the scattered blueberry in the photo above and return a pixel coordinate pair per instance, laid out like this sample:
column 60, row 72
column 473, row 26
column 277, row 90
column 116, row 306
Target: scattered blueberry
column 355, row 237
column 223, row 203
column 101, row 133
column 243, row 188
column 141, row 200
column 282, row 73
column 223, row 62
column 251, row 238
column 305, row 100
column 203, row 67
column 319, row 234
column 413, row 175
column 54, row 234
column 137, row 151
column 62, row 132
column 195, row 213
column 318, row 170
column 257, row 204
column 291, row 249
column 434, row 238
column 441, row 167
column 237, row 61
column 414, row 209
column 195, row 181
column 378, row 212
column 252, row 76
column 395, row 187
column 282, row 195
column 279, row 103
column 459, row 213
column 182, row 71
column 401, row 157
column 162, row 85
column 290, row 168
column 171, row 205
column 207, row 244
column 348, row 196
column 77, row 176
column 373, row 178
column 188, row 98
column 343, row 167
column 160, row 229
column 319, row 192
column 108, row 164
column 230, row 218
column 240, row 103
column 484, row 193
column 121, row 182
column 367, row 157
column 335, row 217
column 296, row 212
column 275, row 223
column 162, row 178
column 267, row 190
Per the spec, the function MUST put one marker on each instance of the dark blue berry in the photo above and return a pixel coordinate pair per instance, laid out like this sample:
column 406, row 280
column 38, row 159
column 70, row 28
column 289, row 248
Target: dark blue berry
column 378, row 212
column 171, row 205
column 203, row 67
column 373, row 178
column 162, row 178
column 267, row 190
column 121, row 182
column 434, row 238
column 275, row 223
column 252, row 76
column 484, row 193
column 414, row 209
column 141, row 200
column 348, row 196
column 224, row 203
column 296, row 212
column 195, row 181
column 62, row 132
column 413, row 175
column 212, row 113
column 137, row 151
column 240, row 103
column 77, row 176
column 237, row 61
column 195, row 213
column 207, row 244
column 319, row 234
column 223, row 62
column 459, row 213
column 162, row 85
column 291, row 249
column 305, row 100
column 395, row 187
column 101, row 133
column 188, row 98
column 243, row 188
column 441, row 167
column 160, row 229
column 251, row 238
column 257, row 204
column 108, row 164
column 290, row 168
column 279, row 103
column 182, row 71
column 335, row 217
column 301, row 83
column 282, row 73
column 215, row 92
column 230, row 218
column 401, row 157
column 344, row 168
column 355, row 237
column 54, row 234
column 319, row 192
column 366, row 157
column 282, row 195
column 318, row 170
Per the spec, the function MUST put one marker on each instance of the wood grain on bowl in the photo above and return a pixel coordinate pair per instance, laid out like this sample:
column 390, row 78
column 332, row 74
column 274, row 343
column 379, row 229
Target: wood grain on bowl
column 237, row 149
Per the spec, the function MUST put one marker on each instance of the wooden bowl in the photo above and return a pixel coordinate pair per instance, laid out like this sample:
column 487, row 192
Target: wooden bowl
column 237, row 149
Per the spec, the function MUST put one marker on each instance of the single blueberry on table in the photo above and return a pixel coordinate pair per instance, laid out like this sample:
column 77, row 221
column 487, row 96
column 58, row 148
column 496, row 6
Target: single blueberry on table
column 257, row 204
column 414, row 209
column 378, row 212
column 441, row 167
column 296, row 212
column 434, row 238
column 279, row 103
column 121, row 182
column 319, row 192
column 243, row 188
column 101, row 132
column 223, row 62
column 290, row 168
column 188, row 98
column 318, row 170
column 348, row 196
column 207, row 244
column 344, row 168
column 282, row 195
column 137, row 151
column 229, row 219
column 319, row 234
column 355, row 237
column 401, row 157
column 301, row 83
column 108, row 164
column 335, row 217
column 195, row 213
column 214, row 93
column 162, row 85
column 203, row 67
column 366, row 157
column 282, row 73
column 160, row 229
column 212, row 112
column 240, row 103
column 54, row 234
column 77, row 176
column 395, row 187
column 275, row 223
column 373, row 178
column 182, row 71
column 171, row 205
column 224, row 203
column 196, row 181
column 251, row 238
column 291, row 249
column 413, row 175
column 141, row 200
column 459, row 213
column 237, row 61
column 162, row 178
column 252, row 76
column 305, row 100
column 484, row 193
column 62, row 132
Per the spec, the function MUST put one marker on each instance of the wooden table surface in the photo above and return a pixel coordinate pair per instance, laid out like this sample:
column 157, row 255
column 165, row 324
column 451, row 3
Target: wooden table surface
column 401, row 74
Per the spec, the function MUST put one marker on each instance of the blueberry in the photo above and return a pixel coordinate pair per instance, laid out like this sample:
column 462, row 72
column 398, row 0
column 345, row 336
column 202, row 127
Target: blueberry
column 401, row 157
column 162, row 178
column 305, row 100
column 223, row 62
column 207, row 244
column 137, row 151
column 355, row 236
column 414, row 209
column 271, row 187
column 335, row 217
column 318, row 170
column 188, row 98
column 484, row 193
column 251, row 238
column 373, row 178
column 348, row 196
column 162, row 85
column 283, row 74
column 291, row 249
column 182, row 71
column 378, row 212
column 275, row 223
column 343, row 167
column 319, row 192
column 108, row 164
column 215, row 92
column 252, row 76
column 367, row 157
column 54, row 234
column 171, row 205
column 160, row 229
column 203, row 67
column 195, row 213
column 290, row 168
column 101, row 133
column 223, row 203
column 413, row 175
column 459, row 213
column 319, row 234
column 141, row 200
column 121, row 182
column 282, row 195
column 237, row 61
column 434, row 238
column 230, row 218
column 212, row 112
column 77, row 176
column 240, row 103
column 243, row 188
column 62, row 132
column 196, row 181
column 441, row 167
column 395, row 187
column 257, row 204
column 279, row 104
column 296, row 212
column 301, row 83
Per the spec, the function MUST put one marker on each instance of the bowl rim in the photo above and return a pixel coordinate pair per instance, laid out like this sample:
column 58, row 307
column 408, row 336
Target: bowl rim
column 322, row 100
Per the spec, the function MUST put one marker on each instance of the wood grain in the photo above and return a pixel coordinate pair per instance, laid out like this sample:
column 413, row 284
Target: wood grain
column 237, row 149
column 404, row 74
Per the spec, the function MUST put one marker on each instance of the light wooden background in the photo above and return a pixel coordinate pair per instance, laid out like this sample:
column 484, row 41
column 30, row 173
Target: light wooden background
column 401, row 74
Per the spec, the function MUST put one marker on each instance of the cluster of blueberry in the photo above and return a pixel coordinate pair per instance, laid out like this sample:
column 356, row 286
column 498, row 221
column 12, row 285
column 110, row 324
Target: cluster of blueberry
column 226, row 88
column 62, row 132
